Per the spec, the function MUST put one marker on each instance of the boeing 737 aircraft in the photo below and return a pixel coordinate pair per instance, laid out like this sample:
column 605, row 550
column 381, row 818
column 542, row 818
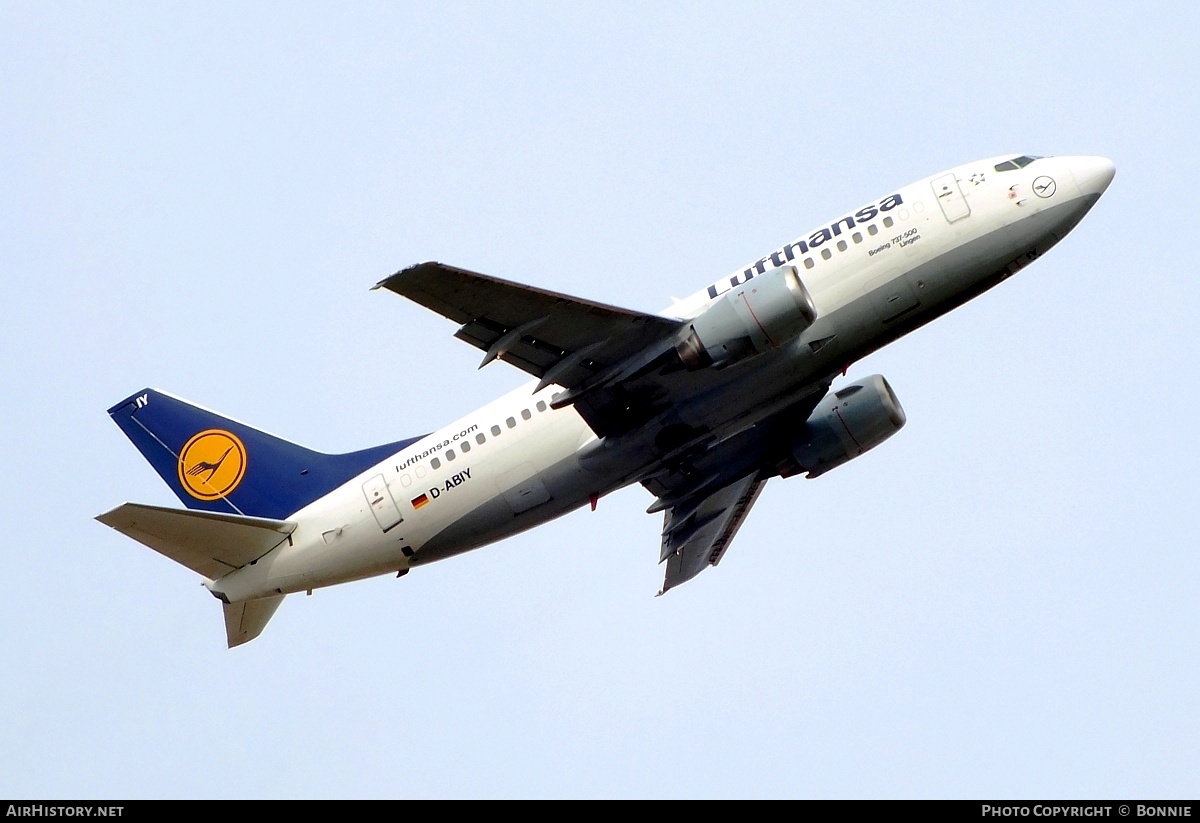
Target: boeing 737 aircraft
column 701, row 404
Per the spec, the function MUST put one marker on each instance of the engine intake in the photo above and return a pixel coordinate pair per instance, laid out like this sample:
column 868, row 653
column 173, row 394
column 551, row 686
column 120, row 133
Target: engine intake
column 846, row 423
column 761, row 314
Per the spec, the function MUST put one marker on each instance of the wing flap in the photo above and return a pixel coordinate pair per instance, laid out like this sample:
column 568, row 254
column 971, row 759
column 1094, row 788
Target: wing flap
column 699, row 538
column 209, row 543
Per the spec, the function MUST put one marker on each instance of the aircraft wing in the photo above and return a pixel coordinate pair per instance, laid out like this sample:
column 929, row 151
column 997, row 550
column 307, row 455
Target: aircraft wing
column 708, row 494
column 696, row 532
column 558, row 338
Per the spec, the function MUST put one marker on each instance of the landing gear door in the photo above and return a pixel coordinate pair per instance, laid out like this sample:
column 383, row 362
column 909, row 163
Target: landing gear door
column 382, row 505
column 950, row 198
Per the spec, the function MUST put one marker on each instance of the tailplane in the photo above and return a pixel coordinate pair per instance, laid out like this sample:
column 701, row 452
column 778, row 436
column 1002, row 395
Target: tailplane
column 210, row 544
column 245, row 621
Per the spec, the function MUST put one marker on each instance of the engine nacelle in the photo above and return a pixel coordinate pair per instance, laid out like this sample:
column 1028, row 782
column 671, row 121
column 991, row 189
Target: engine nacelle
column 845, row 424
column 761, row 314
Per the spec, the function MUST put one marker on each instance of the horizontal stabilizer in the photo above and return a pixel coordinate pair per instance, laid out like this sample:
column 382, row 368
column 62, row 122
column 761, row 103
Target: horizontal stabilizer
column 245, row 621
column 210, row 543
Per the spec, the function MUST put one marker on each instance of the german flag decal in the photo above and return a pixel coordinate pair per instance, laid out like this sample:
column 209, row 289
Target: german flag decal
column 419, row 501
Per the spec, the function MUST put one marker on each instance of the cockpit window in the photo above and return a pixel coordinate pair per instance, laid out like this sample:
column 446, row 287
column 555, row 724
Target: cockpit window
column 1016, row 163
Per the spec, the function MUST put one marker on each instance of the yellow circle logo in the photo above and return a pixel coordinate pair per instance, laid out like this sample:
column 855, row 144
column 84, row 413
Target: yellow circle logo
column 212, row 464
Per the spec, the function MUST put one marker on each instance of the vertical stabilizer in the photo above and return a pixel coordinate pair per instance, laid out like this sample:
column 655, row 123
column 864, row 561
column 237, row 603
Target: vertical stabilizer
column 216, row 464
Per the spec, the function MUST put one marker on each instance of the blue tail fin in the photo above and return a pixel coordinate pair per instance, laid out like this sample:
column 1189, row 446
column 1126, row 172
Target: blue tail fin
column 219, row 465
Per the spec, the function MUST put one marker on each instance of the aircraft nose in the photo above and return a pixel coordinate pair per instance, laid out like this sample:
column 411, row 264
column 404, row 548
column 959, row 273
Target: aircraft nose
column 1093, row 174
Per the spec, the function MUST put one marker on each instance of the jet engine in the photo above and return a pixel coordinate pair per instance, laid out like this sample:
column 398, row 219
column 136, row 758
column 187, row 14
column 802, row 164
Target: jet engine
column 760, row 314
column 846, row 423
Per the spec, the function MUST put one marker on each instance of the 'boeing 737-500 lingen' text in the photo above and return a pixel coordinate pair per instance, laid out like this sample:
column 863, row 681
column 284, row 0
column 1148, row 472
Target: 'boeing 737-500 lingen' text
column 701, row 404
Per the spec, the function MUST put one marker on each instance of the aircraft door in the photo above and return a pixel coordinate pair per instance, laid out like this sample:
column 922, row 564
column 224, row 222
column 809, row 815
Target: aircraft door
column 950, row 198
column 383, row 506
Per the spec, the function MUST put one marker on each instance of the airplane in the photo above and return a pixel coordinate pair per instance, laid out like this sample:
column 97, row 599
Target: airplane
column 701, row 404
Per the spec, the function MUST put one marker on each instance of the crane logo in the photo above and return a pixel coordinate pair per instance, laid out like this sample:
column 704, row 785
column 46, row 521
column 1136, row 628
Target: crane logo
column 212, row 464
column 1044, row 186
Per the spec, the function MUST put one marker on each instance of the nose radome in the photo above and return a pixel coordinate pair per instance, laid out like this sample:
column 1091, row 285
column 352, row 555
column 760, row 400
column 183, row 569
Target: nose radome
column 1093, row 174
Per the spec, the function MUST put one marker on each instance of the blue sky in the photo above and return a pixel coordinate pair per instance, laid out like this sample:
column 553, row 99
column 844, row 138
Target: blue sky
column 999, row 602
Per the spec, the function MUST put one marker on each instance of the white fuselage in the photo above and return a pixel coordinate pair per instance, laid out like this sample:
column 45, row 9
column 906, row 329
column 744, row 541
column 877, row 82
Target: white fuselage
column 873, row 275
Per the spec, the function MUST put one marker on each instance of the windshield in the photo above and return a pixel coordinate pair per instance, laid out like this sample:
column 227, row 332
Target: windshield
column 1016, row 163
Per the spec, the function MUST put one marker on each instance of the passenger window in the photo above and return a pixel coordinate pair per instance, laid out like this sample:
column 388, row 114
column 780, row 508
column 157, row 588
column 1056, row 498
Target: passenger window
column 841, row 245
column 449, row 455
column 480, row 439
column 435, row 463
column 495, row 431
column 541, row 406
column 826, row 254
column 466, row 447
column 525, row 415
column 808, row 263
column 858, row 237
column 888, row 221
column 872, row 230
column 420, row 471
column 405, row 480
column 511, row 423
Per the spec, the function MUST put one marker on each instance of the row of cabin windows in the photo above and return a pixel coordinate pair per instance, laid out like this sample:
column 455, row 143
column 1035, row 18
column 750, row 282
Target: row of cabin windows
column 481, row 438
column 842, row 245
